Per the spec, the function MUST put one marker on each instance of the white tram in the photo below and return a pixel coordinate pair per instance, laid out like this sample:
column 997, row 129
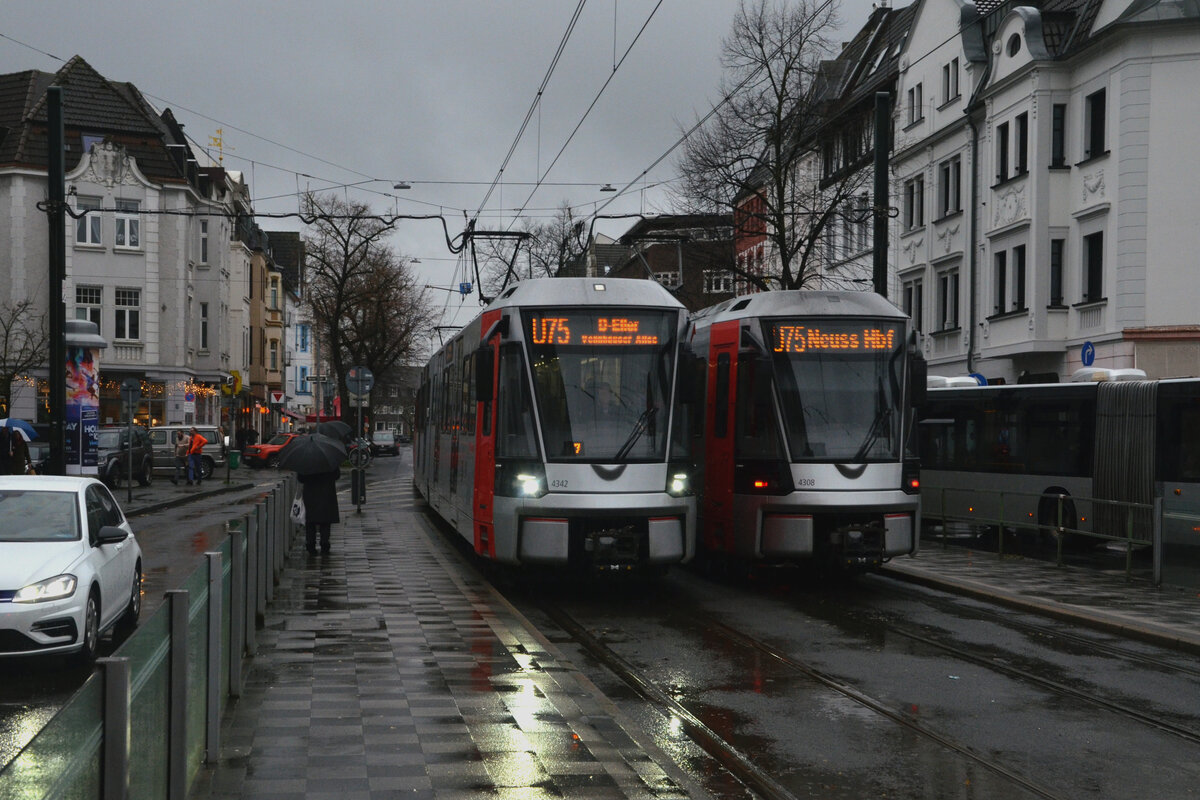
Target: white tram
column 546, row 429
column 800, row 448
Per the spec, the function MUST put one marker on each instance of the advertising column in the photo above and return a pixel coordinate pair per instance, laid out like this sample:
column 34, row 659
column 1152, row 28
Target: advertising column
column 84, row 344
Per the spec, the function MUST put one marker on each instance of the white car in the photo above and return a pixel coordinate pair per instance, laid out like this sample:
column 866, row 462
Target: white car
column 70, row 566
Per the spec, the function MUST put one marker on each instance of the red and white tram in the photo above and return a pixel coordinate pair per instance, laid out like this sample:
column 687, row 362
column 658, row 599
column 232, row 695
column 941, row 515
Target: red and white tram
column 546, row 431
column 800, row 449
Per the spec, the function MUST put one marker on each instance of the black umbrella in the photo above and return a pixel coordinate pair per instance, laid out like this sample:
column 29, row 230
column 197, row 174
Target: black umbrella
column 335, row 429
column 312, row 453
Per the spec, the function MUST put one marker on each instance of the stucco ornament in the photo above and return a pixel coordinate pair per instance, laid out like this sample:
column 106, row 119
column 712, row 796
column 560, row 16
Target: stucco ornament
column 109, row 165
column 946, row 236
column 1093, row 186
column 1009, row 207
column 911, row 247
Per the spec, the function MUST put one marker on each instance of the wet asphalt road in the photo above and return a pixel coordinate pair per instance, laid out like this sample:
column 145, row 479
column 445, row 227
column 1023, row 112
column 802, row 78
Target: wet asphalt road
column 173, row 542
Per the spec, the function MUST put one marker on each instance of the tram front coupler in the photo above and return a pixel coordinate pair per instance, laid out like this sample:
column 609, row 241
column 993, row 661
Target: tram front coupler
column 857, row 545
column 616, row 546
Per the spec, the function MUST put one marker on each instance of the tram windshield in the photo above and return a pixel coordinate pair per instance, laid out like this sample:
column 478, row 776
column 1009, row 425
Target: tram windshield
column 840, row 385
column 602, row 381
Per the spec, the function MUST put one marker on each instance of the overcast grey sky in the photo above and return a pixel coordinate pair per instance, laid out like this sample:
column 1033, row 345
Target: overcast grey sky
column 312, row 94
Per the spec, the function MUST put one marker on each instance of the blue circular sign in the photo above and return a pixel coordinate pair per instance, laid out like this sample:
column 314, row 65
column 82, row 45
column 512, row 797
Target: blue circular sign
column 189, row 397
column 982, row 381
column 1088, row 354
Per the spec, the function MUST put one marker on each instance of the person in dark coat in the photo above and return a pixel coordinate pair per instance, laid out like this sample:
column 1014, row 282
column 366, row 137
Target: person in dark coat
column 320, row 507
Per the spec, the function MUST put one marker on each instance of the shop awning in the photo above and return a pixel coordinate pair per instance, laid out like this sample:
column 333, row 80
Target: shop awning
column 293, row 414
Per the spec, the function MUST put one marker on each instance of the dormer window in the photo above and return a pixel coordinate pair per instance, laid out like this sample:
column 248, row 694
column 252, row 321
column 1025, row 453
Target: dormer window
column 1014, row 44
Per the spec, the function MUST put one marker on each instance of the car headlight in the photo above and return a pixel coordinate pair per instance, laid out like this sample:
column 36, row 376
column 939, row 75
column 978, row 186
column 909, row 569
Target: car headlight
column 678, row 484
column 55, row 588
column 520, row 479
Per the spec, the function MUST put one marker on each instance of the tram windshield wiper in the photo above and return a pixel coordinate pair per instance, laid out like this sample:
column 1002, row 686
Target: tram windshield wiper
column 883, row 414
column 639, row 428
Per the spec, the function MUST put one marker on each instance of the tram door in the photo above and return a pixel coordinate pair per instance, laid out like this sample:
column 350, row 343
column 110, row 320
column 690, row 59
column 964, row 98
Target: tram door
column 717, row 526
column 487, row 370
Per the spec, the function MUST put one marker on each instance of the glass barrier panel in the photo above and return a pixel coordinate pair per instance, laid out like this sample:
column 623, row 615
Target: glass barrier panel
column 149, row 654
column 63, row 760
column 197, row 668
column 226, row 550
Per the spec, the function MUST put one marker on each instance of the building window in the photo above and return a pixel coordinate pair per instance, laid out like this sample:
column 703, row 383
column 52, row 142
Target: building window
column 1056, row 271
column 1021, row 156
column 87, row 304
column 302, row 338
column 717, row 280
column 1093, row 120
column 950, row 187
column 948, row 300
column 128, row 222
column 916, row 105
column 950, row 81
column 914, row 302
column 87, row 227
column 1001, row 285
column 1058, row 135
column 1018, row 278
column 204, row 326
column 273, row 357
column 914, row 203
column 128, row 315
column 302, row 386
column 862, row 227
column 274, row 298
column 1001, row 152
column 667, row 278
column 1093, row 267
column 203, row 241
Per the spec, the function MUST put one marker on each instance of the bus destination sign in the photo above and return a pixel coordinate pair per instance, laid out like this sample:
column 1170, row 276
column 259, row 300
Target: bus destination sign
column 789, row 338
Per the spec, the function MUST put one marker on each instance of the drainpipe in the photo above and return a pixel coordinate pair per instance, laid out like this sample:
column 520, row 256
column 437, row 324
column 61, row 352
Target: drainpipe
column 972, row 239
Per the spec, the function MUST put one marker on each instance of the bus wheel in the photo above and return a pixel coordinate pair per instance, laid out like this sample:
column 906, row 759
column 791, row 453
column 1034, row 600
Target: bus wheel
column 1048, row 520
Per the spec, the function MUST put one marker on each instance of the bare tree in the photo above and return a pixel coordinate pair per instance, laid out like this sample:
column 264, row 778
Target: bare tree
column 24, row 344
column 365, row 303
column 756, row 153
column 550, row 245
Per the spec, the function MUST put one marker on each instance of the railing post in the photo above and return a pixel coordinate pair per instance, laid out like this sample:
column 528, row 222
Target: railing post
column 945, row 537
column 212, row 739
column 178, row 601
column 1156, row 546
column 114, row 770
column 1129, row 542
column 1061, row 533
column 237, row 609
column 1000, row 534
column 251, row 582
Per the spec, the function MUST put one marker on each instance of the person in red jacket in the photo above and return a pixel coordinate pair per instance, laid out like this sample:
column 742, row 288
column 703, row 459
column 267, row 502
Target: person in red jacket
column 195, row 450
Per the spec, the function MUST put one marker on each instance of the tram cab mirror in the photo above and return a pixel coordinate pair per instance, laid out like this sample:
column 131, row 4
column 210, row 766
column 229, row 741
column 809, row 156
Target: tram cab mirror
column 485, row 369
column 917, row 380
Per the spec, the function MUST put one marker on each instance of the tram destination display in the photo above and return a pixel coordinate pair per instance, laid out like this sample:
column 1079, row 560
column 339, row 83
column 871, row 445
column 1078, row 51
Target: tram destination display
column 596, row 329
column 816, row 337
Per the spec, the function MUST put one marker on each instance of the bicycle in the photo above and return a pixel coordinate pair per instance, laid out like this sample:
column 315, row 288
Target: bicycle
column 360, row 454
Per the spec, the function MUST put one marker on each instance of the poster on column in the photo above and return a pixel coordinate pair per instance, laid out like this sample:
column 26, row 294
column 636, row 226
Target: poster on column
column 83, row 410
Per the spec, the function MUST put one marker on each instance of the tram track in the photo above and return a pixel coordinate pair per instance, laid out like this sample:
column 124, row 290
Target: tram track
column 725, row 752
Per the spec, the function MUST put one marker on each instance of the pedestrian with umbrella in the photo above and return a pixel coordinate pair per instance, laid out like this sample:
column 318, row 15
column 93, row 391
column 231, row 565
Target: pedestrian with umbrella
column 316, row 459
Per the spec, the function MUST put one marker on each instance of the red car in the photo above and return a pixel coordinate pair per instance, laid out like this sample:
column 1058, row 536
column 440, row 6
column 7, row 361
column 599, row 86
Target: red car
column 267, row 453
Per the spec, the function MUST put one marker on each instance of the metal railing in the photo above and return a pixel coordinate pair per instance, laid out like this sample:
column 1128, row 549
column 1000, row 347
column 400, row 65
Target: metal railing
column 1134, row 525
column 149, row 717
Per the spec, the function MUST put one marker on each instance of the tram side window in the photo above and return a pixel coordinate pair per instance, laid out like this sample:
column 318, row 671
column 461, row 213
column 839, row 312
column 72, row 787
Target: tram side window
column 687, row 427
column 757, row 435
column 514, row 423
column 468, row 393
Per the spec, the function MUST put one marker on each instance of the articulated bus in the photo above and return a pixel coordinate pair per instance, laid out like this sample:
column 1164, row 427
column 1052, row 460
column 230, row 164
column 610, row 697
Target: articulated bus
column 546, row 432
column 800, row 446
column 1088, row 456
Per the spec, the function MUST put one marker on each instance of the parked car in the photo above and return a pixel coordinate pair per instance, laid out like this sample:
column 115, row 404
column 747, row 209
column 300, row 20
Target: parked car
column 113, row 455
column 70, row 566
column 39, row 454
column 162, row 439
column 267, row 453
column 384, row 442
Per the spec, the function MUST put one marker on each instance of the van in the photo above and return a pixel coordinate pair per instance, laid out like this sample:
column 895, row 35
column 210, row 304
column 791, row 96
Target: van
column 162, row 439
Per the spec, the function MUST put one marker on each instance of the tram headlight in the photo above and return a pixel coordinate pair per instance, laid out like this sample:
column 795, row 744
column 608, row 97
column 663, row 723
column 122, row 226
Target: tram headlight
column 520, row 479
column 678, row 484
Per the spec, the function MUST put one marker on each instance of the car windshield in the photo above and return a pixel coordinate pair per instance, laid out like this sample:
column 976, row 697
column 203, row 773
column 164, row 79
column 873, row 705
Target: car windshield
column 382, row 437
column 38, row 516
column 279, row 439
column 110, row 440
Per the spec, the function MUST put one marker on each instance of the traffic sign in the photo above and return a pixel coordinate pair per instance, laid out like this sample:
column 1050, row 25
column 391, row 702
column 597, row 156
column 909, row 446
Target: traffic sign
column 131, row 390
column 359, row 380
column 1088, row 354
column 276, row 398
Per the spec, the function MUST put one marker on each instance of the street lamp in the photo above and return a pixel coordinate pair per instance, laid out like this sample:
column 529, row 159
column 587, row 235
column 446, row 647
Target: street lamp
column 608, row 187
column 401, row 185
